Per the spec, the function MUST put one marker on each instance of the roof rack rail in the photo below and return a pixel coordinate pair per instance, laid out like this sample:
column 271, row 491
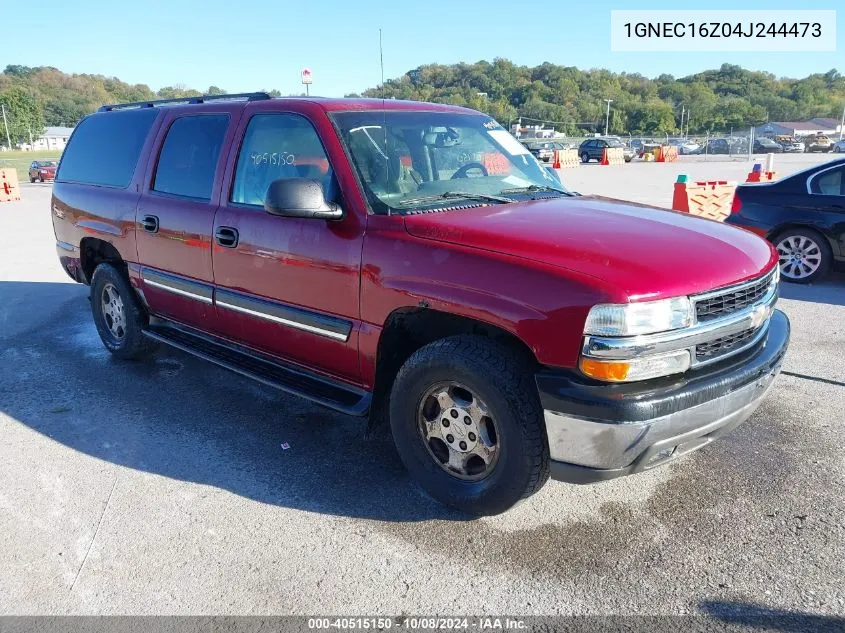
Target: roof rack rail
column 247, row 96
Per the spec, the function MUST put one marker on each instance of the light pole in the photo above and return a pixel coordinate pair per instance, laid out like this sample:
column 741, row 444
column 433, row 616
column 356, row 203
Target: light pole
column 607, row 117
column 842, row 124
column 8, row 140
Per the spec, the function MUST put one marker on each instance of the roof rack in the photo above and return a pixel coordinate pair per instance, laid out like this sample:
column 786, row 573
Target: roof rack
column 246, row 96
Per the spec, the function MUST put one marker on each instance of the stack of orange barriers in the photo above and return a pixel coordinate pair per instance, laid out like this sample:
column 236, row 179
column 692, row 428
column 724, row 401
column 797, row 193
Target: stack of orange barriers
column 9, row 190
column 710, row 199
column 667, row 154
column 613, row 156
column 565, row 158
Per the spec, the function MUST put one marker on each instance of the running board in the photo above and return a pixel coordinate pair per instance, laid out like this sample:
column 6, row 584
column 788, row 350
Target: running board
column 325, row 391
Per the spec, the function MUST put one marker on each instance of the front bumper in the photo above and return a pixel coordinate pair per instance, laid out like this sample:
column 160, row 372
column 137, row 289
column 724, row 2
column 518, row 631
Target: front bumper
column 599, row 431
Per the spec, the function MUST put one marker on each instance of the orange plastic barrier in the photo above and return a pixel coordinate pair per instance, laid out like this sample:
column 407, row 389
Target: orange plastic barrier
column 613, row 156
column 667, row 154
column 710, row 199
column 495, row 163
column 565, row 158
column 9, row 189
column 761, row 176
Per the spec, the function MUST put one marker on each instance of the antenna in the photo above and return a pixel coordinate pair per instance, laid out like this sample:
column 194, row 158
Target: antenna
column 383, row 115
column 381, row 62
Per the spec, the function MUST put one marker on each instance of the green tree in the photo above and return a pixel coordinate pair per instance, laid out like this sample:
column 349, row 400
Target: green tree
column 24, row 114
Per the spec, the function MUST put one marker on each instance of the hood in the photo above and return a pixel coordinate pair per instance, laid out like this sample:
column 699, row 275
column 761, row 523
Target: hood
column 644, row 252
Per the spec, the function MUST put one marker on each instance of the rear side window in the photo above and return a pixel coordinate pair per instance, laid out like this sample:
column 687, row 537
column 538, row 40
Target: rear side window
column 105, row 147
column 829, row 183
column 188, row 158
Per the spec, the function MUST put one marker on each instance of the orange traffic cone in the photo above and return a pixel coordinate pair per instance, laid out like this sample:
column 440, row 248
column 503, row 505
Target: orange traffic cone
column 604, row 159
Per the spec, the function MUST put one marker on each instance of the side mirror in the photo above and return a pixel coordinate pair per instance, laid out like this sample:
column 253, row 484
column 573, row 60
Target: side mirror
column 300, row 198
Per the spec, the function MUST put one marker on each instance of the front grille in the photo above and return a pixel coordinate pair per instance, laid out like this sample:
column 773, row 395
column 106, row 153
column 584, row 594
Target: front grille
column 722, row 346
column 731, row 300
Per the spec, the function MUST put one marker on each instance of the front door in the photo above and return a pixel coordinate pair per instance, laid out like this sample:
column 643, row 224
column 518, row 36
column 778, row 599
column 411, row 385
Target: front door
column 175, row 214
column 287, row 286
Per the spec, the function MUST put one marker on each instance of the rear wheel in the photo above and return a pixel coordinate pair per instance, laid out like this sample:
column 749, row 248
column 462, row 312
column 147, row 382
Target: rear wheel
column 41, row 178
column 805, row 255
column 118, row 314
column 468, row 425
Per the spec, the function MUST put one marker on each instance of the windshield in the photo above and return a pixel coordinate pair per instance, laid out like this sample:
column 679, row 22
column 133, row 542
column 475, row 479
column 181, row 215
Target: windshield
column 410, row 160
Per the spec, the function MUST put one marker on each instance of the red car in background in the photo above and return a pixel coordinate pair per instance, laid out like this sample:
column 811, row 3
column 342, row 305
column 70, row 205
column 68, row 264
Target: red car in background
column 42, row 170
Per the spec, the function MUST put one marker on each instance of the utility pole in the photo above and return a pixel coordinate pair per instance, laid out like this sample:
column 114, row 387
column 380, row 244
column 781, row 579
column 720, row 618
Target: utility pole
column 683, row 108
column 841, row 124
column 607, row 118
column 6, row 124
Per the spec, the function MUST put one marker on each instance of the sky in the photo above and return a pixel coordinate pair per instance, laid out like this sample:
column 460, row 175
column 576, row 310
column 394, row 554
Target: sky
column 264, row 44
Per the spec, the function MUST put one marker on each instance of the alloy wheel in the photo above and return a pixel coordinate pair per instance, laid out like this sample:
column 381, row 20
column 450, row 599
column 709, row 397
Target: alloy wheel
column 458, row 431
column 800, row 256
column 113, row 312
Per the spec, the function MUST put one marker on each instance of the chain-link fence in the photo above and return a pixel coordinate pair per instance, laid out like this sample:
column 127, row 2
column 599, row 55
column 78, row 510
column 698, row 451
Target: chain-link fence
column 721, row 145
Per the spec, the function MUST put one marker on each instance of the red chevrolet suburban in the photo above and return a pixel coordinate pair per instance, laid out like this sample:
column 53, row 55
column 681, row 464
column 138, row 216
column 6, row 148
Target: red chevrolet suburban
column 414, row 263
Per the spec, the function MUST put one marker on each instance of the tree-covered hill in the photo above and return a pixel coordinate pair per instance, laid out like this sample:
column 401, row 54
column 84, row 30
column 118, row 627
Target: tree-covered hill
column 574, row 99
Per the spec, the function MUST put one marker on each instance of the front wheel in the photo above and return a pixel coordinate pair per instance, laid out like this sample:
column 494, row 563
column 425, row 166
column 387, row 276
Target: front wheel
column 118, row 314
column 585, row 157
column 468, row 425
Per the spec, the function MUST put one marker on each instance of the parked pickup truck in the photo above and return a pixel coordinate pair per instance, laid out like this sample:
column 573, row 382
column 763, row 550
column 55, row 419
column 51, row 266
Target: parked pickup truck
column 414, row 263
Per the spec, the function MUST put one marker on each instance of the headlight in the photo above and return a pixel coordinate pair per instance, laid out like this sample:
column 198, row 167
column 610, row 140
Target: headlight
column 647, row 317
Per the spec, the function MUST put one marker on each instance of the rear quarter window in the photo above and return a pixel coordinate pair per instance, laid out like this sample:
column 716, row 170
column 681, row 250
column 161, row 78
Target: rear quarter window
column 104, row 148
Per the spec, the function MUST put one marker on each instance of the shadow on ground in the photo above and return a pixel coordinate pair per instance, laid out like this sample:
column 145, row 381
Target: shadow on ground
column 751, row 617
column 180, row 417
column 830, row 290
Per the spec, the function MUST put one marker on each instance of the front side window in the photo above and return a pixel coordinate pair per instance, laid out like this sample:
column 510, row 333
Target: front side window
column 408, row 160
column 829, row 183
column 189, row 155
column 279, row 146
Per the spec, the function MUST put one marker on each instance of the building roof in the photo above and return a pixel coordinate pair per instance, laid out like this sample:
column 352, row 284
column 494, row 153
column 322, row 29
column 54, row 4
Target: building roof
column 58, row 131
column 825, row 122
column 806, row 126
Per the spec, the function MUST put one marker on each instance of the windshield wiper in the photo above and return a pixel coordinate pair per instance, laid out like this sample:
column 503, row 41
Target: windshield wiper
column 450, row 195
column 535, row 188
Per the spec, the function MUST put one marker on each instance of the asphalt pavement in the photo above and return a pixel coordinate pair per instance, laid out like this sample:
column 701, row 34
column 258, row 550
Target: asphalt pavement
column 163, row 487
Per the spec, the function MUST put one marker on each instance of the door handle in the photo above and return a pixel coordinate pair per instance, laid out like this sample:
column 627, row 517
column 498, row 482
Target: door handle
column 226, row 236
column 150, row 223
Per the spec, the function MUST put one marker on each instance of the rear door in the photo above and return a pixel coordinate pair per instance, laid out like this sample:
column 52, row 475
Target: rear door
column 175, row 214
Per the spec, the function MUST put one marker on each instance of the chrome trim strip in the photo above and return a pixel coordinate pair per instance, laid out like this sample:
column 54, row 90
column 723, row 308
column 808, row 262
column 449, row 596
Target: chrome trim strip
column 626, row 348
column 277, row 319
column 177, row 291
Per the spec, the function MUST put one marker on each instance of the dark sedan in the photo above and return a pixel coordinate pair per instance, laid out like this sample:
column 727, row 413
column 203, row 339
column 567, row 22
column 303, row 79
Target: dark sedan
column 802, row 215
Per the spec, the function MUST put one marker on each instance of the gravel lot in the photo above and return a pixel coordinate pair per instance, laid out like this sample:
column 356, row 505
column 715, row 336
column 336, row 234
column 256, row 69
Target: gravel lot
column 162, row 487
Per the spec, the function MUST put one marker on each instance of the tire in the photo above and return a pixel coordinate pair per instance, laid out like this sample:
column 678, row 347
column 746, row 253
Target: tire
column 820, row 248
column 495, row 377
column 130, row 319
column 41, row 178
column 31, row 180
column 585, row 157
